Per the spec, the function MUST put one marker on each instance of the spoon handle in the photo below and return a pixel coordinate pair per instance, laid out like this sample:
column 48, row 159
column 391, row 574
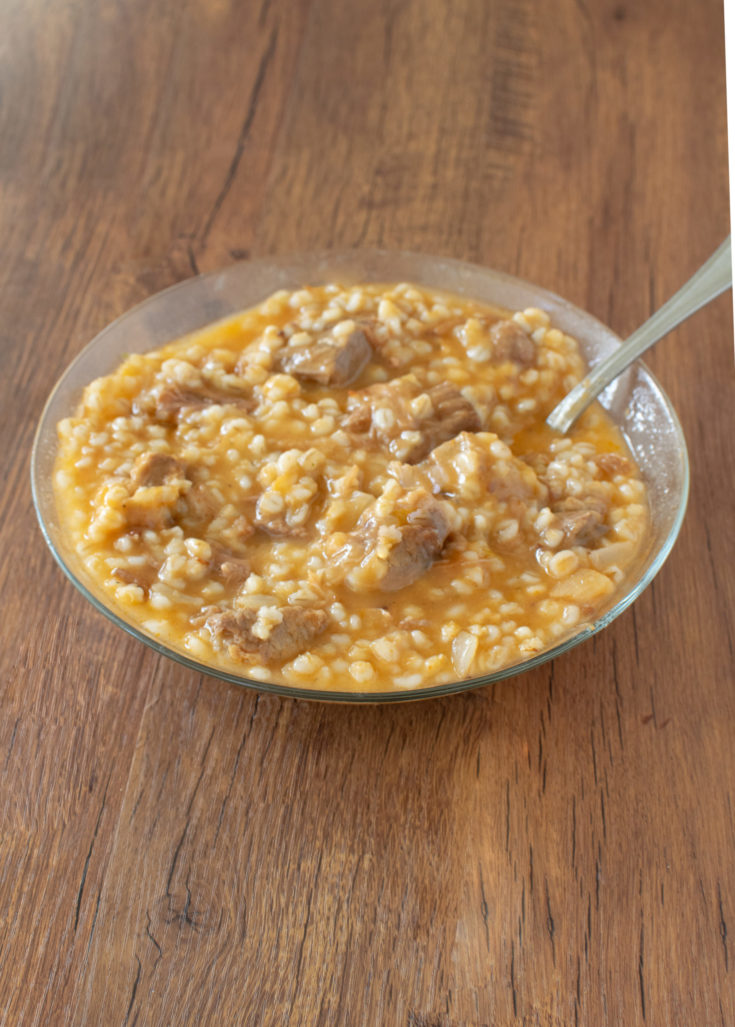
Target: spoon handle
column 709, row 281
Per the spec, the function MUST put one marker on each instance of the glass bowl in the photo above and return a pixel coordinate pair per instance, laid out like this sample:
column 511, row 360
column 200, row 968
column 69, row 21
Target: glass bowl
column 635, row 401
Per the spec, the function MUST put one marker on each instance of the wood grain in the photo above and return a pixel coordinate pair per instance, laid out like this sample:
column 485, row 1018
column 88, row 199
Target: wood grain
column 557, row 849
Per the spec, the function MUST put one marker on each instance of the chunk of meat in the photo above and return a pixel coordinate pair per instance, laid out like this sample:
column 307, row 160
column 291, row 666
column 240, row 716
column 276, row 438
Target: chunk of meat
column 172, row 400
column 408, row 419
column 242, row 631
column 223, row 564
column 454, row 414
column 473, row 465
column 227, row 566
column 200, row 506
column 583, row 521
column 510, row 342
column 612, row 464
column 394, row 543
column 155, row 469
column 422, row 540
column 142, row 576
column 157, row 482
column 334, row 359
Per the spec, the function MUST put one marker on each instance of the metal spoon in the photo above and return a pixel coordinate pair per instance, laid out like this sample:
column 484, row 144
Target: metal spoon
column 712, row 279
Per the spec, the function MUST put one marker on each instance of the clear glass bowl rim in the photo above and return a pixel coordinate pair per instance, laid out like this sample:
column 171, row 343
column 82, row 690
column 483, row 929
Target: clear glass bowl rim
column 316, row 268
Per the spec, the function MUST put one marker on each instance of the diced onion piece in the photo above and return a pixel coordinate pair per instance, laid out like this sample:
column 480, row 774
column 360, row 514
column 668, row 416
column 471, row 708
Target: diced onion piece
column 464, row 648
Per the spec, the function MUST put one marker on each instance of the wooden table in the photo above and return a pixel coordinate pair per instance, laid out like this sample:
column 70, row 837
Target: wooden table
column 554, row 850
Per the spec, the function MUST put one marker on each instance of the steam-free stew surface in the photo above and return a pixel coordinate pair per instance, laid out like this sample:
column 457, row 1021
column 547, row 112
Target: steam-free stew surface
column 352, row 488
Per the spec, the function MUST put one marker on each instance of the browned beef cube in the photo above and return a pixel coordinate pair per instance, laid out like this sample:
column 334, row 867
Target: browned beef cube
column 391, row 548
column 287, row 639
column 331, row 360
column 360, row 417
column 227, row 566
column 386, row 411
column 510, row 342
column 157, row 483
column 143, row 576
column 173, row 399
column 467, row 466
column 583, row 521
column 422, row 540
column 154, row 469
column 452, row 415
column 200, row 506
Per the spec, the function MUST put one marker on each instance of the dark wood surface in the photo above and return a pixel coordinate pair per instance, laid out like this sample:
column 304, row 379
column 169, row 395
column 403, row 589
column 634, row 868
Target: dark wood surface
column 558, row 849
